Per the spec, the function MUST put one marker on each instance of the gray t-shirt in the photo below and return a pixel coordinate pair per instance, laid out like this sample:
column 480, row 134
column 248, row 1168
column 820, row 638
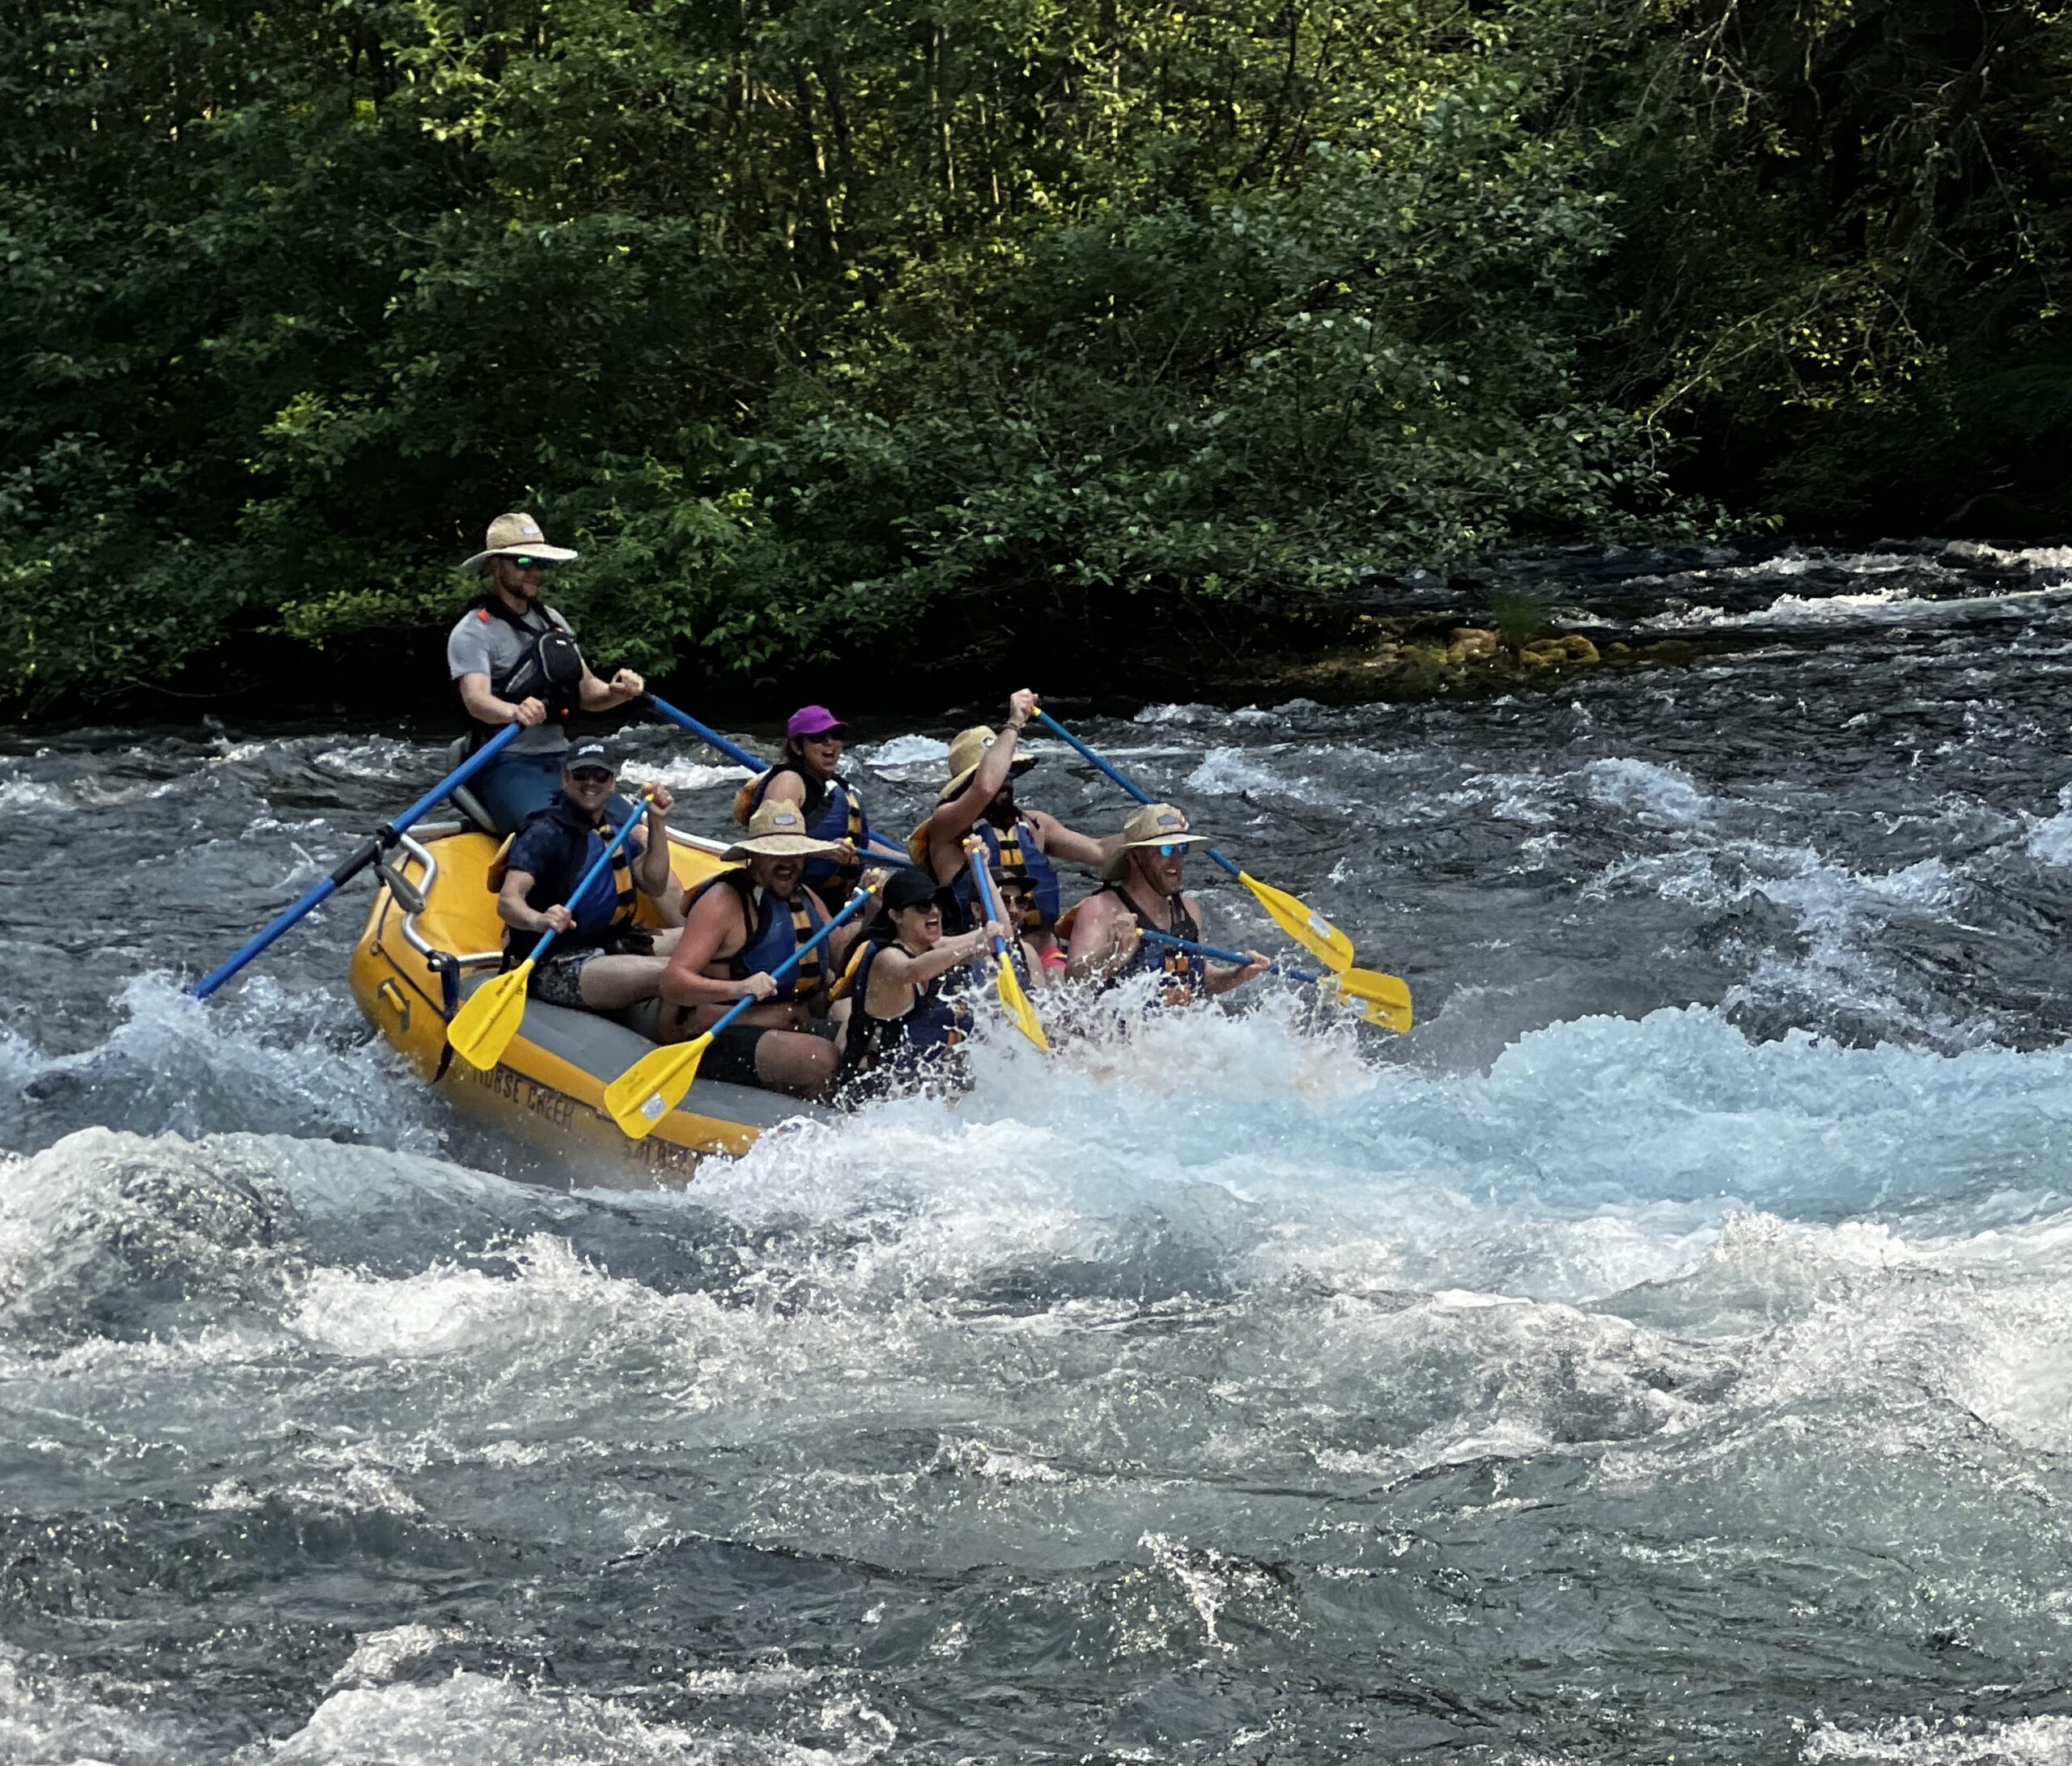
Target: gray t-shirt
column 483, row 644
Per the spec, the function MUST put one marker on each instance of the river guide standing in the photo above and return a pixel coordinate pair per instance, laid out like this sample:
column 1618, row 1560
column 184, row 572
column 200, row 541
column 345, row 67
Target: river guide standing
column 515, row 661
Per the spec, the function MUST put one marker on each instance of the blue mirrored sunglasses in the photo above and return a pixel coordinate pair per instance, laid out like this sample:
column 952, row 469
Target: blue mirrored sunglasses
column 1172, row 846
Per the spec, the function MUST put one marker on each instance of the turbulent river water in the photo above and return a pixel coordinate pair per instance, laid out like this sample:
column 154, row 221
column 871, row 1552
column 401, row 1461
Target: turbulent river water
column 1665, row 1352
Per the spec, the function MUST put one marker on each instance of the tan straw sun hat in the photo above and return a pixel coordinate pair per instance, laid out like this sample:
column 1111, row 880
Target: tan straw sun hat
column 967, row 748
column 777, row 830
column 1155, row 824
column 515, row 536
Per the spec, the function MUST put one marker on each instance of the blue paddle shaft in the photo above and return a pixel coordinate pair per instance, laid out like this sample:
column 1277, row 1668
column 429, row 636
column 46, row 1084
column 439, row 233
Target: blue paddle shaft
column 355, row 862
column 983, row 874
column 740, row 757
column 1128, row 784
column 1237, row 957
column 597, row 870
column 793, row 960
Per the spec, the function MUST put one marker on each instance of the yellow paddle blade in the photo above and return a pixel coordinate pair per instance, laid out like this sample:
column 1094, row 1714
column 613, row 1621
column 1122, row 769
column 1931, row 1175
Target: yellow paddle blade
column 1018, row 1006
column 482, row 1029
column 1384, row 999
column 1302, row 923
column 654, row 1085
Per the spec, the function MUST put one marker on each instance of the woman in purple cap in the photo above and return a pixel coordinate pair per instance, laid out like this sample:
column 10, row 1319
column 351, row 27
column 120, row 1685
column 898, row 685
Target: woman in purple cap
column 809, row 775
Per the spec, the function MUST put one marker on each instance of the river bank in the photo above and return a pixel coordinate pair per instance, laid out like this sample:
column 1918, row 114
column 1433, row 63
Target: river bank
column 1398, row 640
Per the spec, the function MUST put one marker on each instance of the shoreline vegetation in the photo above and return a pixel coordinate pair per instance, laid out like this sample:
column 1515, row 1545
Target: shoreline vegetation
column 867, row 344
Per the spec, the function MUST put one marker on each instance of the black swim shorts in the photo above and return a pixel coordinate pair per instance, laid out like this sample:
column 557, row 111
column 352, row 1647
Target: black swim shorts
column 732, row 1056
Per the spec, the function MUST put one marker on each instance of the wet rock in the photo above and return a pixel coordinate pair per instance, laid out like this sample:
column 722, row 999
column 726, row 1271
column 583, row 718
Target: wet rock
column 1574, row 647
column 1470, row 643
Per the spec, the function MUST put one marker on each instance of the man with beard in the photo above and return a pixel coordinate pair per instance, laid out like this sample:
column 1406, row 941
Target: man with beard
column 979, row 798
column 740, row 926
column 515, row 661
column 1144, row 890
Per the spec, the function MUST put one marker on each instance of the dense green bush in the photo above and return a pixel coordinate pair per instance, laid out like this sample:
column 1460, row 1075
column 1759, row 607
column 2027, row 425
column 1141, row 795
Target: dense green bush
column 807, row 318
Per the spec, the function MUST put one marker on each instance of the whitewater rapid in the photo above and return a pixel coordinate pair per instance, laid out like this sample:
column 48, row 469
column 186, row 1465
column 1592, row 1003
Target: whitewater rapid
column 1665, row 1352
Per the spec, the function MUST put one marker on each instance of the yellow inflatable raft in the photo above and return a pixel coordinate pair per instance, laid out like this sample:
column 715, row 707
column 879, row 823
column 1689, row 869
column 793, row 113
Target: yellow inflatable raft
column 433, row 937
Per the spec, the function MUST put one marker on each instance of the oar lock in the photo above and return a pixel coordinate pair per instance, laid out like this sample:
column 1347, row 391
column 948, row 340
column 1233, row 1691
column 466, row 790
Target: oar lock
column 400, row 888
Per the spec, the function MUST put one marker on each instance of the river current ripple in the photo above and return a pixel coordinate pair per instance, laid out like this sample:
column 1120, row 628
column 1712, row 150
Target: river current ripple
column 1665, row 1352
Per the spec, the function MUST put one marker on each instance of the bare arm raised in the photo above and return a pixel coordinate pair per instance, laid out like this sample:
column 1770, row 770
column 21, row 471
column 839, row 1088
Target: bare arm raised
column 954, row 820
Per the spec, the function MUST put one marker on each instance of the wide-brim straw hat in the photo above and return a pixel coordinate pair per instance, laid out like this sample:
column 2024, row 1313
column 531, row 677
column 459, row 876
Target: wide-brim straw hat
column 777, row 830
column 515, row 536
column 967, row 749
column 1155, row 824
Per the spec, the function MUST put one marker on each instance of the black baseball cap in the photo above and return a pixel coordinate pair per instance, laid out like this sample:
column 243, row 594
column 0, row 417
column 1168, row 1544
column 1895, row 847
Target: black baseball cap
column 908, row 886
column 590, row 753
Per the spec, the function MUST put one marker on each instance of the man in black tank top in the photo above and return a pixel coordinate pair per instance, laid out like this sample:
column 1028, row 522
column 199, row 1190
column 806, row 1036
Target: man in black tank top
column 1144, row 879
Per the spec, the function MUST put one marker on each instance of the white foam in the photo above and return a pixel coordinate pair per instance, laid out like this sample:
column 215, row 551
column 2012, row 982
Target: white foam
column 1231, row 772
column 45, row 1722
column 471, row 1716
column 383, row 758
column 2050, row 838
column 378, row 1657
column 683, row 775
column 2033, row 558
column 903, row 753
column 2036, row 1741
column 1664, row 794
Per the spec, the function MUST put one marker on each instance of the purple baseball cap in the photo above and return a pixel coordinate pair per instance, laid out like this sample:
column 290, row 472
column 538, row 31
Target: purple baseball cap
column 815, row 720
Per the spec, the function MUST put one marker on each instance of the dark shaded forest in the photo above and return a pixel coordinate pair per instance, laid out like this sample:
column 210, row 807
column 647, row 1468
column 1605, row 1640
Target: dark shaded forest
column 816, row 323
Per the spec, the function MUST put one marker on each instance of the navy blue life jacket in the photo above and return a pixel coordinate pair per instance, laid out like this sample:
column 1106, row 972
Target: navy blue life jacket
column 604, row 909
column 1012, row 849
column 776, row 930
column 1177, row 968
column 833, row 810
column 919, row 1041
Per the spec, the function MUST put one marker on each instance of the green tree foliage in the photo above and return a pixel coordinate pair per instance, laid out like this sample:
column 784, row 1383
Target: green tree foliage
column 809, row 318
column 1847, row 238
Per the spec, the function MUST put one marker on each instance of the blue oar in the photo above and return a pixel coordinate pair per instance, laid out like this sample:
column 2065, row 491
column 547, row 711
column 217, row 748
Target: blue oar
column 1302, row 922
column 357, row 861
column 1381, row 998
column 740, row 757
column 482, row 1029
column 656, row 1083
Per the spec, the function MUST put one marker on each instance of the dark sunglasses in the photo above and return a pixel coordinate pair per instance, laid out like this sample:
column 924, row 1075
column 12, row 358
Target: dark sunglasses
column 1170, row 847
column 592, row 775
column 531, row 563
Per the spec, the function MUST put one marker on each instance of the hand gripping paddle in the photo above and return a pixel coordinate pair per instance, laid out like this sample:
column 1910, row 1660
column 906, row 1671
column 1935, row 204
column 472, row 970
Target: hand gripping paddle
column 656, row 1083
column 482, row 1029
column 1296, row 918
column 1382, row 999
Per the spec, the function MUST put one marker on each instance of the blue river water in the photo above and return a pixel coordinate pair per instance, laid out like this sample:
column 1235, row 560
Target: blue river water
column 1665, row 1352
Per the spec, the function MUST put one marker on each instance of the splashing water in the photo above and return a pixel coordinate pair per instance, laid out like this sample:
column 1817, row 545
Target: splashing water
column 1663, row 1351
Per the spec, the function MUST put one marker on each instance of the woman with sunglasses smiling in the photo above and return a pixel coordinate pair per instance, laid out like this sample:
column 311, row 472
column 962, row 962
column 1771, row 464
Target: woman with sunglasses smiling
column 809, row 775
column 515, row 661
column 1143, row 889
